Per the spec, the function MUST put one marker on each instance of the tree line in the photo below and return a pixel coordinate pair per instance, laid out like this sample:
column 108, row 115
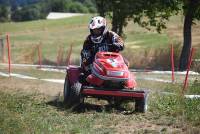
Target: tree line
column 24, row 10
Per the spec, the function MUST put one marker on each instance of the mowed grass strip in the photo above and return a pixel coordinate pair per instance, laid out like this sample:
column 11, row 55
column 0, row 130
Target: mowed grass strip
column 40, row 25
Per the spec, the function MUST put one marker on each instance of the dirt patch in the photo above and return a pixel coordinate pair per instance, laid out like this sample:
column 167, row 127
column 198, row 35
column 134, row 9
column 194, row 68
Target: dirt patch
column 30, row 86
column 146, row 127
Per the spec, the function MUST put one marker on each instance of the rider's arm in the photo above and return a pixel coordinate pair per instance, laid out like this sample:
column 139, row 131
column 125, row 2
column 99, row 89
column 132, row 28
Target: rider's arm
column 86, row 54
column 117, row 42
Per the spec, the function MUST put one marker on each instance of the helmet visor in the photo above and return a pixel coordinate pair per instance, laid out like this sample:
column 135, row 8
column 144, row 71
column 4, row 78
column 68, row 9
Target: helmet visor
column 97, row 31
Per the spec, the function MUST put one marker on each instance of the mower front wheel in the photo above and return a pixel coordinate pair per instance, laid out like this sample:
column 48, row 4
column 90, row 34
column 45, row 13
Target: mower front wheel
column 141, row 104
column 67, row 90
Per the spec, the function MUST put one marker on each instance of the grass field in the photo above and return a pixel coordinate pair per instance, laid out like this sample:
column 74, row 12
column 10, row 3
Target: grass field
column 35, row 106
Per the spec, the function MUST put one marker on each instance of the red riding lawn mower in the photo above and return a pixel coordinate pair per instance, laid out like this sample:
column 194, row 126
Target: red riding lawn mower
column 110, row 80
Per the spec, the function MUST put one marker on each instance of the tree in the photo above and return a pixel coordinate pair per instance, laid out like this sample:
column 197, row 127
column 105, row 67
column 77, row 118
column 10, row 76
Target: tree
column 120, row 14
column 191, row 10
column 77, row 7
column 58, row 6
column 26, row 13
column 117, row 10
column 4, row 13
column 90, row 4
column 153, row 13
column 103, row 6
column 147, row 13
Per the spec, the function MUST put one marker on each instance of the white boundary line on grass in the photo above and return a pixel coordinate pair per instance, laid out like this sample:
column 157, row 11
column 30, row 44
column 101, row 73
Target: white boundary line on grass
column 56, row 68
column 192, row 96
column 165, row 72
column 186, row 96
column 55, row 80
column 61, row 81
column 32, row 78
column 37, row 66
column 154, row 79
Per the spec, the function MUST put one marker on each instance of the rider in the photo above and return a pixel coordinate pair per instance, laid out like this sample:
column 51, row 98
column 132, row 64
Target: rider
column 99, row 39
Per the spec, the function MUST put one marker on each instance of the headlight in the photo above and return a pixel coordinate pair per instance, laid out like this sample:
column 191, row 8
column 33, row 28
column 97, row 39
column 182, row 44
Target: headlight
column 115, row 73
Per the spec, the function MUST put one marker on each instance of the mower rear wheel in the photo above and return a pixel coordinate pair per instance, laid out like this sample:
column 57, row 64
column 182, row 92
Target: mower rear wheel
column 67, row 90
column 141, row 104
column 71, row 93
column 75, row 98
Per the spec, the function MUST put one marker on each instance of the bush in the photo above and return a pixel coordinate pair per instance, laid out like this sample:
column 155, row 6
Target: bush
column 76, row 7
column 58, row 6
column 26, row 13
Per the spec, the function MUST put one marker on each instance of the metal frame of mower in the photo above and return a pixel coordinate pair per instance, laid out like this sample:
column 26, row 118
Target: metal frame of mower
column 74, row 92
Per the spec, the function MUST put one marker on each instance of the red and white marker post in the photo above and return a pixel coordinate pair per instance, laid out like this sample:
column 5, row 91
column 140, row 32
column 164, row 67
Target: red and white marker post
column 172, row 62
column 188, row 69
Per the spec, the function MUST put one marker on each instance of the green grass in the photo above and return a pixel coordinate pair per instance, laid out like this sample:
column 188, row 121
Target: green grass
column 24, row 114
column 188, row 110
column 149, row 40
column 36, row 113
column 39, row 73
column 194, row 88
column 40, row 25
column 50, row 34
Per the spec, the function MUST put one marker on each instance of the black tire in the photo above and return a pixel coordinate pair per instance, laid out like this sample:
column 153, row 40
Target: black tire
column 67, row 90
column 141, row 104
column 75, row 96
column 116, row 101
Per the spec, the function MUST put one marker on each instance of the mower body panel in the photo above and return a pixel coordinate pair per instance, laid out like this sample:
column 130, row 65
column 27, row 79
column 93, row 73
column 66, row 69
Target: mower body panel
column 110, row 66
column 73, row 73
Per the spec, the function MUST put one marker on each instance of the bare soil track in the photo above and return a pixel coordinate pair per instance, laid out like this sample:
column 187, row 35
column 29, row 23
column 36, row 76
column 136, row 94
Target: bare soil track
column 13, row 84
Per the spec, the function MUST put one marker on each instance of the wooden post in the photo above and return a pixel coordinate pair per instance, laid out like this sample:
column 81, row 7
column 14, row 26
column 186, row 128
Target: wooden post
column 58, row 56
column 61, row 55
column 2, row 49
column 9, row 53
column 188, row 69
column 39, row 56
column 172, row 62
column 69, row 56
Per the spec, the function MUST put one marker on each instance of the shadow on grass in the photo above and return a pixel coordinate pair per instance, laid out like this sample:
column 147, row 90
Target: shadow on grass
column 87, row 107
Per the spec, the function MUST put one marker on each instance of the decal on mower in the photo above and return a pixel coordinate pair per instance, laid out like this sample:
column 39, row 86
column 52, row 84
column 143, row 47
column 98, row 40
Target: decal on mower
column 112, row 62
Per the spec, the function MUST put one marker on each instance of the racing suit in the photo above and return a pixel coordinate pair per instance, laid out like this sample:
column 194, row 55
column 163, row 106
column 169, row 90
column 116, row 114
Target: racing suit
column 111, row 43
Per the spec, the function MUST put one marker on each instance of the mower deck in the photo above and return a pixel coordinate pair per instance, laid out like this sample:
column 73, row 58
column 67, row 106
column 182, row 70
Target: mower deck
column 94, row 91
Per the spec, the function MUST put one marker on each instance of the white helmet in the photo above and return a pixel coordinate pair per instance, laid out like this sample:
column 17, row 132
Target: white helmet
column 98, row 29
